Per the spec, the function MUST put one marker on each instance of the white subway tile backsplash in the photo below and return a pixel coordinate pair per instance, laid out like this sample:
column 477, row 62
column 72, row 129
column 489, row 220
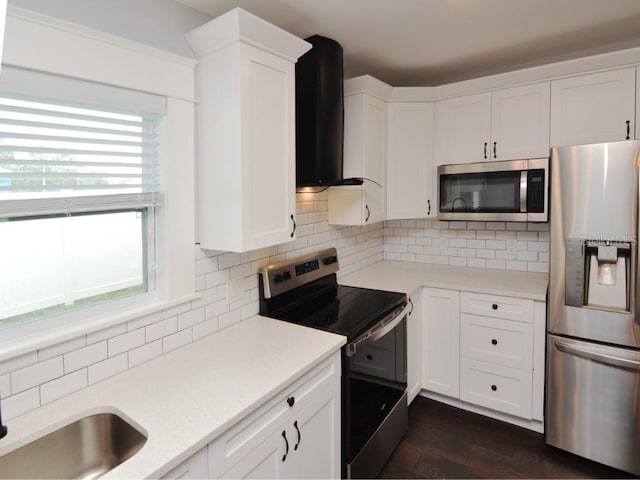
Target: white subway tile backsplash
column 34, row 375
column 177, row 340
column 63, row 386
column 126, row 342
column 20, row 403
column 5, row 385
column 502, row 245
column 144, row 321
column 161, row 329
column 108, row 368
column 191, row 318
column 18, row 362
column 200, row 330
column 86, row 356
column 145, row 353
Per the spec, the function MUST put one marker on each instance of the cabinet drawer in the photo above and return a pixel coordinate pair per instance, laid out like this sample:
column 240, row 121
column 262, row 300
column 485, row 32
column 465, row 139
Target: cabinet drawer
column 244, row 437
column 497, row 387
column 510, row 308
column 495, row 340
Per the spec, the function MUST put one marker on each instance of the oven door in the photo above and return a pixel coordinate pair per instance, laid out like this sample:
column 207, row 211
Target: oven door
column 375, row 416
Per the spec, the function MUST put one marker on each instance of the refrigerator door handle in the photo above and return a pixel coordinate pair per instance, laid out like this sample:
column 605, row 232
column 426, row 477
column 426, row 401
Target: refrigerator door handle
column 597, row 356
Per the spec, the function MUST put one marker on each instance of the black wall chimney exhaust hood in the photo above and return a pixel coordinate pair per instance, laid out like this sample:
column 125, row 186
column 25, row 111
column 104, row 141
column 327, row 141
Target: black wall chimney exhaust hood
column 320, row 116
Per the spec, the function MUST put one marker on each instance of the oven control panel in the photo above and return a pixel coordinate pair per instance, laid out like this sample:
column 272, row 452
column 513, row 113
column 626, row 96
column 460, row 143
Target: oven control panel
column 283, row 276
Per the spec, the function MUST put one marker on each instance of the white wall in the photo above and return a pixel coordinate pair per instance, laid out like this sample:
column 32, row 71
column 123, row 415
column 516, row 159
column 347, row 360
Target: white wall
column 158, row 23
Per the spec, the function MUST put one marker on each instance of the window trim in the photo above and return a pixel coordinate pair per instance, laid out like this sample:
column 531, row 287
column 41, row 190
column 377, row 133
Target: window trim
column 34, row 41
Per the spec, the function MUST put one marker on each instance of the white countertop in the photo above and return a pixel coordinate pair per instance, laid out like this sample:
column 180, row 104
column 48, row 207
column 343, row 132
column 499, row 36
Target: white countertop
column 408, row 277
column 188, row 397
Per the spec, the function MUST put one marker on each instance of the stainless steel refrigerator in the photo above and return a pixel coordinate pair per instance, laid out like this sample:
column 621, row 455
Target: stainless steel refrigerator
column 593, row 322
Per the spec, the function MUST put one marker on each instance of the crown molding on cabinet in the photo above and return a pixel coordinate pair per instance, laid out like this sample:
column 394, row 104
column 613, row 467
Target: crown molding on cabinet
column 367, row 84
column 553, row 71
column 240, row 25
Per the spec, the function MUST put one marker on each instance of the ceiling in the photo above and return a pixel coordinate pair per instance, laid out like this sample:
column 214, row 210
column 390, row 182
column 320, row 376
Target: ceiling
column 432, row 42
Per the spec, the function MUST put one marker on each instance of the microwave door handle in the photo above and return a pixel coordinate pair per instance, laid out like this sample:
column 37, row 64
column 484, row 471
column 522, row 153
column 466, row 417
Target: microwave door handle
column 385, row 326
column 523, row 191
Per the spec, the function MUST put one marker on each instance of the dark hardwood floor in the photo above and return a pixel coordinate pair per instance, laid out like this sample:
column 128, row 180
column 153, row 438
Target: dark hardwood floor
column 446, row 442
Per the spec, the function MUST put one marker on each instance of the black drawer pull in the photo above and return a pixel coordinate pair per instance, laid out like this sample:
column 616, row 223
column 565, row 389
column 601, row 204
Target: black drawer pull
column 485, row 149
column 628, row 129
column 494, row 341
column 494, row 388
column 369, row 356
column 291, row 401
column 295, row 424
column 286, row 442
column 494, row 306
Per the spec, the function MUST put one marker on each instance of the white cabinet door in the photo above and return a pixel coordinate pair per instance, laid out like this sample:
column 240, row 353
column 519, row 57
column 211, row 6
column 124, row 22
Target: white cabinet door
column 264, row 461
column 294, row 435
column 410, row 172
column 365, row 118
column 441, row 341
column 463, row 129
column 594, row 108
column 315, row 437
column 414, row 347
column 520, row 122
column 245, row 134
column 193, row 467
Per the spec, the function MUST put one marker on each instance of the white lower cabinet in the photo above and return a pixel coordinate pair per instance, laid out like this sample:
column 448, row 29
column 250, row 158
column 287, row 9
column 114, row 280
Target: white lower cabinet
column 485, row 353
column 441, row 341
column 294, row 435
column 414, row 346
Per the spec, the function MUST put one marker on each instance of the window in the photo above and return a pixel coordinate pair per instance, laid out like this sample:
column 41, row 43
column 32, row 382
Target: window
column 79, row 190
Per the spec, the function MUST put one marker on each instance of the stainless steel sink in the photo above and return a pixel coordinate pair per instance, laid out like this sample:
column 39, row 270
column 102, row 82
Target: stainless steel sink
column 86, row 448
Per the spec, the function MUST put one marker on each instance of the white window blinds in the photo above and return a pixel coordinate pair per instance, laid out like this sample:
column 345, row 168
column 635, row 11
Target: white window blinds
column 62, row 156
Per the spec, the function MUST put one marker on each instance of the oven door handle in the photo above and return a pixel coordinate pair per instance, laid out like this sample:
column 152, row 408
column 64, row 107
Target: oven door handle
column 390, row 322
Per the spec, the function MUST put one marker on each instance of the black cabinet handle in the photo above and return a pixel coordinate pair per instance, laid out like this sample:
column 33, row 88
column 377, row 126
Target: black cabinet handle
column 628, row 129
column 412, row 307
column 494, row 341
column 286, row 442
column 369, row 356
column 294, row 225
column 291, row 401
column 494, row 388
column 485, row 149
column 368, row 213
column 295, row 424
column 428, row 207
column 494, row 306
column 495, row 155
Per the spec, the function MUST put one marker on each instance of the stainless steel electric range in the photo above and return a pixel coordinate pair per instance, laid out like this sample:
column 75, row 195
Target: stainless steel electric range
column 374, row 362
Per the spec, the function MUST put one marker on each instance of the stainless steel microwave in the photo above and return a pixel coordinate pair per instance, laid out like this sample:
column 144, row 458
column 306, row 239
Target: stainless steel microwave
column 511, row 191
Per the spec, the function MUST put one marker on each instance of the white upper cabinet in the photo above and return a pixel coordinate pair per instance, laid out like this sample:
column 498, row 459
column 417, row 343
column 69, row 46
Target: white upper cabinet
column 365, row 126
column 410, row 173
column 463, row 129
column 520, row 122
column 245, row 86
column 506, row 124
column 3, row 18
column 594, row 108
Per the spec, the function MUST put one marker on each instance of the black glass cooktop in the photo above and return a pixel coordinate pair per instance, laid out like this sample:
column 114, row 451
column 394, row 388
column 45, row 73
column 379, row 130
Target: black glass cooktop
column 323, row 304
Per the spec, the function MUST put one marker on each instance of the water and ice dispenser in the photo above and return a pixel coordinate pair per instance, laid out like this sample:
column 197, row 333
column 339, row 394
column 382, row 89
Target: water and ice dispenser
column 598, row 274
